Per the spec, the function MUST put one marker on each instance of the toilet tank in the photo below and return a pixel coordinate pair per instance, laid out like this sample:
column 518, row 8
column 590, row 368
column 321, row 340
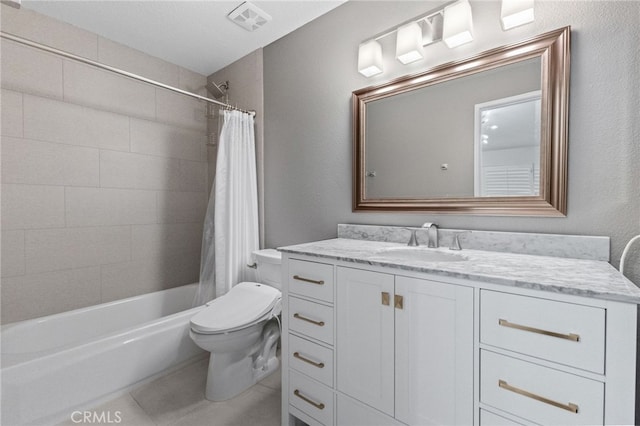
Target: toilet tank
column 268, row 270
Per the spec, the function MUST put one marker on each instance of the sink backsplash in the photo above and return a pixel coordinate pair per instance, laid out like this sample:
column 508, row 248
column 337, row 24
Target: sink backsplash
column 556, row 245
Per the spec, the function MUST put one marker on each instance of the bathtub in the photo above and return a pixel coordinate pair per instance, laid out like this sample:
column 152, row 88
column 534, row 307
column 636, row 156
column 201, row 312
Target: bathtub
column 73, row 360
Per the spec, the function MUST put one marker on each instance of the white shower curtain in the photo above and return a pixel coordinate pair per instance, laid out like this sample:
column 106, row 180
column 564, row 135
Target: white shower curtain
column 231, row 222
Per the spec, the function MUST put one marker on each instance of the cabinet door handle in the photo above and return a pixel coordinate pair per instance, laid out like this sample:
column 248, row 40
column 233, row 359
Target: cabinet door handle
column 308, row 280
column 569, row 407
column 319, row 406
column 398, row 302
column 385, row 298
column 307, row 360
column 570, row 336
column 300, row 317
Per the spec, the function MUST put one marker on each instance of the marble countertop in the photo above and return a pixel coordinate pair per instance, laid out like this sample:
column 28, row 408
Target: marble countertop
column 590, row 278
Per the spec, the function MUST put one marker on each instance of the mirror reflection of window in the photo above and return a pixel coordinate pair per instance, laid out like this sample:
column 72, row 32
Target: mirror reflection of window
column 507, row 146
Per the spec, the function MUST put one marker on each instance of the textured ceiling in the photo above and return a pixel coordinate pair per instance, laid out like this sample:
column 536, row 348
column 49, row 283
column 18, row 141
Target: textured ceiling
column 194, row 34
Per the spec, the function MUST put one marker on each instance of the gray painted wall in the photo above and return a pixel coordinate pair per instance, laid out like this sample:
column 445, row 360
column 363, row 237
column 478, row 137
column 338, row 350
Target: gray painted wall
column 309, row 76
column 245, row 91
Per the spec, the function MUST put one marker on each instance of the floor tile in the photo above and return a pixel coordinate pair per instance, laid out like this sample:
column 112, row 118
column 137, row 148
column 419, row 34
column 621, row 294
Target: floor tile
column 274, row 381
column 177, row 399
column 124, row 411
column 170, row 397
column 257, row 406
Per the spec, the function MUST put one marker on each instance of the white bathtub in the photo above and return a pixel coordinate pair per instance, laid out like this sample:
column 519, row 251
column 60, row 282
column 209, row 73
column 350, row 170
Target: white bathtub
column 56, row 364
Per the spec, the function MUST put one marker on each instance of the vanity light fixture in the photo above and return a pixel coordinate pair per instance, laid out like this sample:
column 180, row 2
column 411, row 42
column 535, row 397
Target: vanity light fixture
column 370, row 58
column 451, row 23
column 411, row 37
column 458, row 24
column 409, row 43
column 431, row 30
column 515, row 13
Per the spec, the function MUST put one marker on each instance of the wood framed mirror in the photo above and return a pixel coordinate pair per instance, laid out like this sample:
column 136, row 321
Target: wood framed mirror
column 485, row 135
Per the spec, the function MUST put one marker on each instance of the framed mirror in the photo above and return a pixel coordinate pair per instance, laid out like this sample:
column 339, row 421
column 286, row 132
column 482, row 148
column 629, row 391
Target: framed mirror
column 485, row 135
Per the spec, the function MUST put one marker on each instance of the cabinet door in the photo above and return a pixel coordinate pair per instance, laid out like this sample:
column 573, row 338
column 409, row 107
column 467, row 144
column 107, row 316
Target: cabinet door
column 365, row 344
column 434, row 353
column 350, row 412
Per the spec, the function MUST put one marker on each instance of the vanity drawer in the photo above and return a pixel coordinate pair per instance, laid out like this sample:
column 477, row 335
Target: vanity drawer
column 487, row 418
column 311, row 359
column 311, row 319
column 311, row 397
column 540, row 394
column 561, row 332
column 311, row 279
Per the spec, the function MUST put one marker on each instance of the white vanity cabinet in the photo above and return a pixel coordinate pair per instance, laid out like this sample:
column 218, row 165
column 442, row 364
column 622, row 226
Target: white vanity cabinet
column 384, row 346
column 402, row 347
column 405, row 346
column 566, row 360
column 308, row 341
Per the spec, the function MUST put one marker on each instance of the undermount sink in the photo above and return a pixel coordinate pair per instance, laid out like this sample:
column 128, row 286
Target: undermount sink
column 419, row 254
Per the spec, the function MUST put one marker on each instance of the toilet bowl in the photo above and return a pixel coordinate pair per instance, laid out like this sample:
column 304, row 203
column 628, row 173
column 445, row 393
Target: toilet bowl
column 241, row 331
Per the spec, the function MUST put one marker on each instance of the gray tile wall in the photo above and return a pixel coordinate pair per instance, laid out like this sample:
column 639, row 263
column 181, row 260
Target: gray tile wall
column 104, row 179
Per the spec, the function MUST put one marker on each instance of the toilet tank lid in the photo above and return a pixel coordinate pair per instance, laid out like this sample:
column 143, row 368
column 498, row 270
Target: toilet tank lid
column 268, row 256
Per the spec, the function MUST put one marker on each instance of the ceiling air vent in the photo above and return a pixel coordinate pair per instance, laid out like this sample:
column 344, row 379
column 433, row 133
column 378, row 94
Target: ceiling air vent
column 249, row 16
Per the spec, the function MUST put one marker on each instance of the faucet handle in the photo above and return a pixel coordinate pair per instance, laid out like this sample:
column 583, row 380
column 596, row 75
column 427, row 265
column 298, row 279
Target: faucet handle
column 455, row 244
column 413, row 240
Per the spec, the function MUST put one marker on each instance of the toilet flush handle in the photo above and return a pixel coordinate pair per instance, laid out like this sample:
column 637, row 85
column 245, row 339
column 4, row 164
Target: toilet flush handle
column 254, row 265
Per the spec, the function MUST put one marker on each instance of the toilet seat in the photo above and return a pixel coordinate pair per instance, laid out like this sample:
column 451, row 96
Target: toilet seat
column 244, row 305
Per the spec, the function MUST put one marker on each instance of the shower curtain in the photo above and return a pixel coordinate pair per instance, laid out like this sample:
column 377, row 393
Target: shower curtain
column 231, row 222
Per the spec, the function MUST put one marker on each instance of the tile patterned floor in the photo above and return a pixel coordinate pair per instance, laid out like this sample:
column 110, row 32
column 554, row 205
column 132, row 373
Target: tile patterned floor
column 178, row 399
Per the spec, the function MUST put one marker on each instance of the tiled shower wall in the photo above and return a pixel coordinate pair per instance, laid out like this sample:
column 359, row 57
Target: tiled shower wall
column 104, row 179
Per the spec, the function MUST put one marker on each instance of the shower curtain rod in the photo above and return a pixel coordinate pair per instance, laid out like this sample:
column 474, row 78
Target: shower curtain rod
column 115, row 70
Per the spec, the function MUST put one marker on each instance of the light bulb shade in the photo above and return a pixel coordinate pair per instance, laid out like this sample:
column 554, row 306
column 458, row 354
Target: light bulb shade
column 370, row 58
column 409, row 43
column 458, row 24
column 515, row 13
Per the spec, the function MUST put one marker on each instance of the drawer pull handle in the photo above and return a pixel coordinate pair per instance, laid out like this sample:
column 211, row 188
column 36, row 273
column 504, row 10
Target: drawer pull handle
column 319, row 406
column 307, row 360
column 570, row 336
column 300, row 317
column 308, row 280
column 569, row 407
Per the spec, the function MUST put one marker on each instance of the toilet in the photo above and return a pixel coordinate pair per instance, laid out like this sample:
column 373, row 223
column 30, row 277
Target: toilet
column 241, row 331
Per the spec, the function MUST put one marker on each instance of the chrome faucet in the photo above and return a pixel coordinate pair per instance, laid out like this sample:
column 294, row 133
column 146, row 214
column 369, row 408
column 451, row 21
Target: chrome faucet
column 432, row 233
